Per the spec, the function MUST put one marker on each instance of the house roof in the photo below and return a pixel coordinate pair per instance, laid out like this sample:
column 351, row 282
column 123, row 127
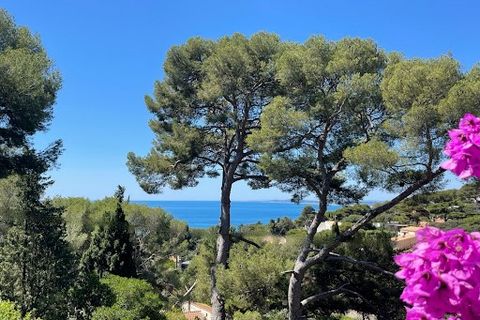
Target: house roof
column 203, row 306
column 410, row 229
column 404, row 242
column 194, row 315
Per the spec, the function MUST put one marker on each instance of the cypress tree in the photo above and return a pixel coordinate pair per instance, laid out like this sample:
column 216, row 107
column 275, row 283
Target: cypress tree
column 36, row 263
column 111, row 249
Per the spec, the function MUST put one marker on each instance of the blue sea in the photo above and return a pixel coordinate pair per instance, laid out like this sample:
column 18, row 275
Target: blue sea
column 204, row 214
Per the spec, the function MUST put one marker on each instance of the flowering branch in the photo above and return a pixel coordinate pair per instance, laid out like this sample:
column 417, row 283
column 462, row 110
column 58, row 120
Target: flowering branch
column 442, row 273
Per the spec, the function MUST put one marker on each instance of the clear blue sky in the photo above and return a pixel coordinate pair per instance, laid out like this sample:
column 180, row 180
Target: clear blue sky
column 110, row 53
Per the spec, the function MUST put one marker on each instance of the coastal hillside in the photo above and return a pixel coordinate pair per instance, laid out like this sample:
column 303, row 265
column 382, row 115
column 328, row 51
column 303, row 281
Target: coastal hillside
column 172, row 256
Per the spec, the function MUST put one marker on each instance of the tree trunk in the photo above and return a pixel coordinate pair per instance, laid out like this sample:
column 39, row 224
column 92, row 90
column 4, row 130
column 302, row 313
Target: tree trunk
column 295, row 293
column 223, row 250
column 295, row 309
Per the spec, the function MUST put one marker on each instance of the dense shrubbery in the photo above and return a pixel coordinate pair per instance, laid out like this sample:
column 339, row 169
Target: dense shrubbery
column 253, row 285
column 371, row 292
column 58, row 282
column 8, row 311
column 134, row 299
column 281, row 226
column 254, row 280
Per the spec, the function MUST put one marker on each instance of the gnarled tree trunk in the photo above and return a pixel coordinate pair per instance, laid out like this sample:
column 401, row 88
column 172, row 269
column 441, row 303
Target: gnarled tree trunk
column 295, row 311
column 223, row 249
column 295, row 292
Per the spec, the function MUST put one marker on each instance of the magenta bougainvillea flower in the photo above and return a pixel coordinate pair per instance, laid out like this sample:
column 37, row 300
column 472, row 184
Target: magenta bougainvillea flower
column 442, row 275
column 463, row 148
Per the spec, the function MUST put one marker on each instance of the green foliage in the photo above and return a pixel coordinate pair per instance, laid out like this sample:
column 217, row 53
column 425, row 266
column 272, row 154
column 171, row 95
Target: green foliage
column 87, row 294
column 200, row 268
column 352, row 119
column 254, row 279
column 257, row 230
column 281, row 124
column 331, row 90
column 380, row 292
column 36, row 264
column 463, row 97
column 387, row 119
column 445, row 209
column 348, row 211
column 421, row 96
column 303, row 114
column 111, row 249
column 155, row 235
column 8, row 311
column 82, row 216
column 175, row 315
column 255, row 315
column 28, row 87
column 416, row 86
column 135, row 299
column 10, row 206
column 305, row 217
column 352, row 218
column 374, row 154
column 276, row 315
column 281, row 226
column 470, row 223
column 293, row 241
column 248, row 315
column 115, row 313
column 77, row 215
column 157, row 239
column 206, row 106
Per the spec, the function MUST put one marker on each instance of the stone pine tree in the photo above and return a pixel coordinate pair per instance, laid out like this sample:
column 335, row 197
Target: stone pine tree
column 111, row 248
column 36, row 262
column 210, row 100
column 365, row 120
column 28, row 87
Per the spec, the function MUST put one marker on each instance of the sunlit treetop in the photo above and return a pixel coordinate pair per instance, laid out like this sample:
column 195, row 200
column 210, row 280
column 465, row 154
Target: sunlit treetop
column 210, row 99
column 349, row 111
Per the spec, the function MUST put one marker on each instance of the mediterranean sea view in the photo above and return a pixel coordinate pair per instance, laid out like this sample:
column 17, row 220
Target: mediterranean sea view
column 204, row 214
